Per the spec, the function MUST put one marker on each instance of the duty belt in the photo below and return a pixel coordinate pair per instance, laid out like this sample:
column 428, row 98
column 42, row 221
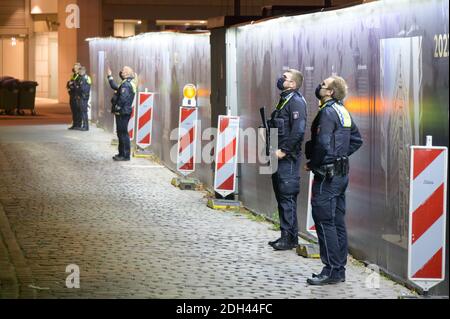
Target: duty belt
column 340, row 167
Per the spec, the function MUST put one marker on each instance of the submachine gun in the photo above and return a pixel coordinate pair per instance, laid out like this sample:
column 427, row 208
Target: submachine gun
column 265, row 126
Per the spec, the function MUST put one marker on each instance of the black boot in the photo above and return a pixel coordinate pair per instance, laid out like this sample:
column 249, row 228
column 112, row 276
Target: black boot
column 283, row 234
column 321, row 280
column 286, row 243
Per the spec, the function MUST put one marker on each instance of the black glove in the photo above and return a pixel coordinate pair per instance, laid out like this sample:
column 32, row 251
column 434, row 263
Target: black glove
column 308, row 149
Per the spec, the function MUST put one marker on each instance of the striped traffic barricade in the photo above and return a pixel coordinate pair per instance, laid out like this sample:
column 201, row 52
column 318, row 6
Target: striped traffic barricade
column 187, row 136
column 132, row 121
column 187, row 140
column 427, row 215
column 310, row 225
column 226, row 155
column 144, row 124
column 309, row 250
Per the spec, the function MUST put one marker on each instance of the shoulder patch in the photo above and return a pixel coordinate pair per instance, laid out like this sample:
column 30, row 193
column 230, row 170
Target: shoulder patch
column 295, row 115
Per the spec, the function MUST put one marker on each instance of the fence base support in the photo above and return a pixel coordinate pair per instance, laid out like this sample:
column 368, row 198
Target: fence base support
column 224, row 204
column 142, row 153
column 308, row 250
column 185, row 183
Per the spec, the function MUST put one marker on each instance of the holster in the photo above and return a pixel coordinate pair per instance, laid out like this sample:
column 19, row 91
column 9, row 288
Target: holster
column 339, row 168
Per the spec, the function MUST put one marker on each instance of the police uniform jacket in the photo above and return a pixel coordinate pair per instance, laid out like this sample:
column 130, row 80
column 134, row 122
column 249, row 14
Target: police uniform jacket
column 84, row 86
column 72, row 85
column 123, row 96
column 289, row 118
column 334, row 135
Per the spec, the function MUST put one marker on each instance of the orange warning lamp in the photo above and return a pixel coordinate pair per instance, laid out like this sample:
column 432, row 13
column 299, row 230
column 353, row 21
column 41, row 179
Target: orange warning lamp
column 189, row 93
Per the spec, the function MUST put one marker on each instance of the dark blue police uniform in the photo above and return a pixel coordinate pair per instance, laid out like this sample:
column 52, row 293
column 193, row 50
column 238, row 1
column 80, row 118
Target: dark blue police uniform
column 83, row 92
column 74, row 106
column 122, row 106
column 289, row 118
column 334, row 137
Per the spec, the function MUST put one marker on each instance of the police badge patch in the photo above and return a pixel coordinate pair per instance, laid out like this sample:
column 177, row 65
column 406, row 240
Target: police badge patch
column 295, row 115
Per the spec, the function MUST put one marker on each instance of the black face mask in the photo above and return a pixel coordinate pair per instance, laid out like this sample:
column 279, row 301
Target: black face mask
column 317, row 92
column 280, row 82
column 121, row 75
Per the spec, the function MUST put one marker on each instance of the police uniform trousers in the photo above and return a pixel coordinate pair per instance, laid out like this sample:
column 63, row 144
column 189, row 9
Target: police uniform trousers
column 76, row 111
column 122, row 134
column 286, row 185
column 328, row 212
column 84, row 113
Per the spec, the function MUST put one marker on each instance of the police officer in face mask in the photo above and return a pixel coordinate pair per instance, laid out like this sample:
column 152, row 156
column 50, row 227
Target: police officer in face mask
column 83, row 92
column 334, row 137
column 289, row 117
column 122, row 106
column 72, row 90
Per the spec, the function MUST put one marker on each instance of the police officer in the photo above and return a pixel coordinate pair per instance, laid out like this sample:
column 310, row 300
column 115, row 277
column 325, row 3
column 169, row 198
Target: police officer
column 334, row 137
column 121, row 106
column 83, row 85
column 289, row 117
column 72, row 90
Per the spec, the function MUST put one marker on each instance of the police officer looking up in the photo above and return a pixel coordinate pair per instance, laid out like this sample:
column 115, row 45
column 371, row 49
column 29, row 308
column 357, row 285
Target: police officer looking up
column 83, row 91
column 121, row 106
column 289, row 117
column 72, row 90
column 334, row 137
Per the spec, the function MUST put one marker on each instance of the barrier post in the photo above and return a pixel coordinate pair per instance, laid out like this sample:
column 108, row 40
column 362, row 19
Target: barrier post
column 132, row 123
column 227, row 142
column 310, row 250
column 144, row 124
column 187, row 140
column 427, row 215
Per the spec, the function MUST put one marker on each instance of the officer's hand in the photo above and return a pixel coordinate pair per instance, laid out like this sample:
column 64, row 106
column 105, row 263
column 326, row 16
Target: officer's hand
column 306, row 168
column 109, row 72
column 280, row 154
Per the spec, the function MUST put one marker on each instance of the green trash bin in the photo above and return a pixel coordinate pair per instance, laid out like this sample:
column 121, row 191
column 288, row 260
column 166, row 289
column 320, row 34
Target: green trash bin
column 27, row 94
column 10, row 94
column 2, row 94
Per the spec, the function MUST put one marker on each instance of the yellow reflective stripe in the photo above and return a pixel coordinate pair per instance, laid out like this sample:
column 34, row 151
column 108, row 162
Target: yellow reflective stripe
column 133, row 85
column 88, row 79
column 343, row 114
column 288, row 97
column 323, row 105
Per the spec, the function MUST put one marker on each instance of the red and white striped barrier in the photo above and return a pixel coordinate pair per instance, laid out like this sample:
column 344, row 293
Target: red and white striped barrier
column 145, row 120
column 226, row 155
column 310, row 225
column 132, row 121
column 187, row 137
column 427, row 215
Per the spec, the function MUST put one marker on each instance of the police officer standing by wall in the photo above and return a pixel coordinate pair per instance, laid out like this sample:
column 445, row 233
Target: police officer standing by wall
column 122, row 106
column 334, row 137
column 83, row 91
column 72, row 90
column 289, row 118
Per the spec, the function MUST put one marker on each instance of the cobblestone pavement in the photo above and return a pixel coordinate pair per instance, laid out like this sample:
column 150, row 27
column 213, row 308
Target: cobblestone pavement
column 133, row 235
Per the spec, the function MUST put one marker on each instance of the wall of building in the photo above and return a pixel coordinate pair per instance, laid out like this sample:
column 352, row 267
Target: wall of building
column 67, row 49
column 16, row 22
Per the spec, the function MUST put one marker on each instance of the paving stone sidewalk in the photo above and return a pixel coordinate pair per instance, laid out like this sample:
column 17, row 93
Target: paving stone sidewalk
column 131, row 233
